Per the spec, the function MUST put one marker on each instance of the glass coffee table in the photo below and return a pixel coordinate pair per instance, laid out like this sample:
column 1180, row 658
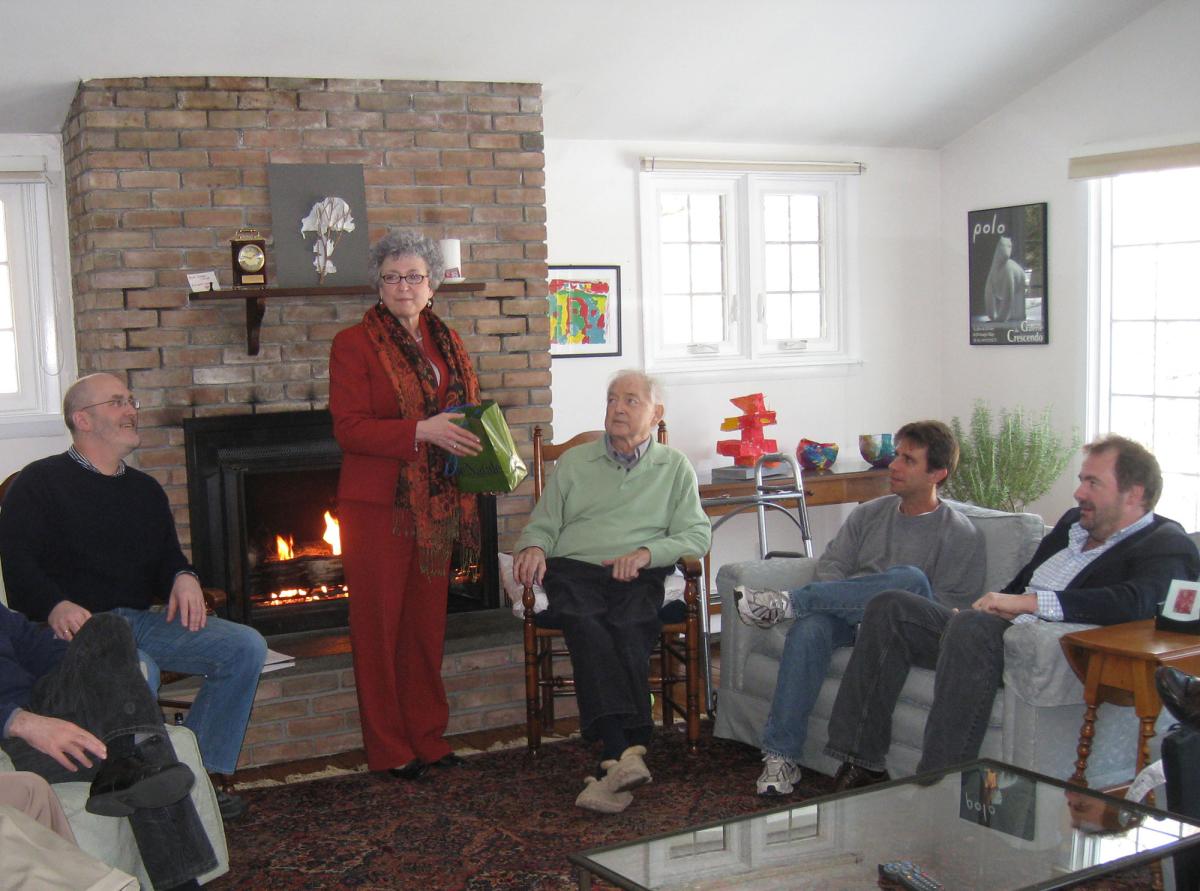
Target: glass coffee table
column 984, row 826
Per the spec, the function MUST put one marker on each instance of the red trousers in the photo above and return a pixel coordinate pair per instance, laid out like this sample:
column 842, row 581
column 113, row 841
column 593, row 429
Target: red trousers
column 397, row 629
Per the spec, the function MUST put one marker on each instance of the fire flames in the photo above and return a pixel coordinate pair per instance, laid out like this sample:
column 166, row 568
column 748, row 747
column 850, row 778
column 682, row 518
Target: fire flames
column 315, row 561
column 333, row 534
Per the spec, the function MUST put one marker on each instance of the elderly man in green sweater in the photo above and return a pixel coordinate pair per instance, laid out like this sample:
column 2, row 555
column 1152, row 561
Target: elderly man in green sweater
column 616, row 515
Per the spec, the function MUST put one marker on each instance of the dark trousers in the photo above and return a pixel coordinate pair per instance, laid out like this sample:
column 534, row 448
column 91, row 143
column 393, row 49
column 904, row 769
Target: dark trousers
column 610, row 628
column 901, row 630
column 99, row 686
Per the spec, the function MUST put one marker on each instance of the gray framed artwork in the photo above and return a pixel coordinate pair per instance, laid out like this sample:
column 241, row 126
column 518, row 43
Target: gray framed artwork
column 297, row 192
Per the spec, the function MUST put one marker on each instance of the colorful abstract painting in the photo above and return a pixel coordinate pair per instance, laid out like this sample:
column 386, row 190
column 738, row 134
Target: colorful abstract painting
column 585, row 311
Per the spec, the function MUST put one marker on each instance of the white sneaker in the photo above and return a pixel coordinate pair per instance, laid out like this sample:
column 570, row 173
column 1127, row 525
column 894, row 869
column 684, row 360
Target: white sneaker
column 777, row 776
column 763, row 608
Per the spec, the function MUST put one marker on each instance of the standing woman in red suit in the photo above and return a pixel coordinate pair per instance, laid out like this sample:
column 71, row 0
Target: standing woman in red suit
column 391, row 378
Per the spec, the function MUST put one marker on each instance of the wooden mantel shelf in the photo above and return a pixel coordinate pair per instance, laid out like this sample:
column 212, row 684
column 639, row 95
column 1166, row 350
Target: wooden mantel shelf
column 256, row 306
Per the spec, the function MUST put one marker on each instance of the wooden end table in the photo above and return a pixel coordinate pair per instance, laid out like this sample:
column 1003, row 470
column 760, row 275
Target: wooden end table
column 1116, row 664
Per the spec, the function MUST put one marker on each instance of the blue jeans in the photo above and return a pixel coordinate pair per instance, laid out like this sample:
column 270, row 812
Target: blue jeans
column 229, row 655
column 826, row 613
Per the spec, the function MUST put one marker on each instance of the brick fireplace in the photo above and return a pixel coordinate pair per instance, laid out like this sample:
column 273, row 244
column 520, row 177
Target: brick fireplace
column 161, row 172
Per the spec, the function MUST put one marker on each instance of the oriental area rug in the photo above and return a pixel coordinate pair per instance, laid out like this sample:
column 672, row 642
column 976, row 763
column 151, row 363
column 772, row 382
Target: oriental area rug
column 501, row 821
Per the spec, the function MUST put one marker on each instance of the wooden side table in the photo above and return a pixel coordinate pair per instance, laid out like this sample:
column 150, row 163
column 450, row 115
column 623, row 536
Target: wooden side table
column 1116, row 664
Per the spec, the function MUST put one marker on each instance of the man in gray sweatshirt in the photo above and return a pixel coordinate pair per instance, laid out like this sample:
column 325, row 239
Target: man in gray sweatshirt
column 908, row 540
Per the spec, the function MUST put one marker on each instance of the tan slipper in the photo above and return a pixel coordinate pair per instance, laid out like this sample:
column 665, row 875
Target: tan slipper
column 597, row 796
column 629, row 772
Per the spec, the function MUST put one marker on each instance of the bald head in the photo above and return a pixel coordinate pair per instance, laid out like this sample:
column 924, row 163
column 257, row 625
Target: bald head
column 89, row 390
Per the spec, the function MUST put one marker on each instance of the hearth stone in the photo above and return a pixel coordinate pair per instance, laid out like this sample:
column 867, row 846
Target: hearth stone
column 312, row 710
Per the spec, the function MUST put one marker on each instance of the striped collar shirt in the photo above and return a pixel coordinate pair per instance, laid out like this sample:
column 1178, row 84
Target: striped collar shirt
column 84, row 462
column 626, row 461
column 1058, row 569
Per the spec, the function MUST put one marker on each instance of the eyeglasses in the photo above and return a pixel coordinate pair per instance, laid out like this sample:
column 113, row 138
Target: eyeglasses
column 394, row 278
column 117, row 402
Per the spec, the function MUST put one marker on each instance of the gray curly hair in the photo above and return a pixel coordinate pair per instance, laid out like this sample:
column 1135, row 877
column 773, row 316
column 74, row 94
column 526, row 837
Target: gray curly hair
column 406, row 243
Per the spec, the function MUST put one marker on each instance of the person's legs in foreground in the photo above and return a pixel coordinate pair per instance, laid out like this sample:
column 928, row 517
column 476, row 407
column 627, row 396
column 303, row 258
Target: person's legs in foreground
column 899, row 630
column 230, row 657
column 30, row 794
column 610, row 628
column 825, row 615
column 970, row 668
column 99, row 686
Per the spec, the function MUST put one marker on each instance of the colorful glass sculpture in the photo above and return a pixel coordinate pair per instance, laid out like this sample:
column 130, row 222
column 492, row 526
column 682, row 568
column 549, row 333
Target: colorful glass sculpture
column 746, row 450
column 814, row 455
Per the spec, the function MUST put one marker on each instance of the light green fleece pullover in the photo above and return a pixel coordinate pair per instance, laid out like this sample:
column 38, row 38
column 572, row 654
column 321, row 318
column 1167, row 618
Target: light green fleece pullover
column 592, row 509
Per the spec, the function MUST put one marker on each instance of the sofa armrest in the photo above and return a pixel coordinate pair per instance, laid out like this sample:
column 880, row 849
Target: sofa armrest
column 1035, row 668
column 738, row 640
column 777, row 574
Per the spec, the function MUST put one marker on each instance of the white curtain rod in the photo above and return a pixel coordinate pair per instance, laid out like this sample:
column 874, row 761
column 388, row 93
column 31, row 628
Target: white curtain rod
column 1136, row 161
column 22, row 164
column 848, row 168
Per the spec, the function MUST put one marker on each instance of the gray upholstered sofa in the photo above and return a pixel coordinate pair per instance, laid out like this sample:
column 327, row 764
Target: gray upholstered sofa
column 1035, row 719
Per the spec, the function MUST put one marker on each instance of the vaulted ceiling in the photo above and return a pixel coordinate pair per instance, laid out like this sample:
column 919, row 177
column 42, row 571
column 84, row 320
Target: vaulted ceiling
column 916, row 73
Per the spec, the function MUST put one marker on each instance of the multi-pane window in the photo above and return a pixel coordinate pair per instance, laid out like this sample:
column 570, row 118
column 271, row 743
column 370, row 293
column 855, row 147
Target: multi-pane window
column 1147, row 364
column 692, row 240
column 8, row 332
column 792, row 267
column 33, row 314
column 741, row 270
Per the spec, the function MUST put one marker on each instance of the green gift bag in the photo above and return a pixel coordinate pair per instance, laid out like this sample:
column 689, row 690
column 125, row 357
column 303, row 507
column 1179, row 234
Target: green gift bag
column 498, row 468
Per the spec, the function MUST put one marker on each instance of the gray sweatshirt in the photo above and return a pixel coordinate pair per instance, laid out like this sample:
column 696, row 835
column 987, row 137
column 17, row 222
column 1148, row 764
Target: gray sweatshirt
column 943, row 543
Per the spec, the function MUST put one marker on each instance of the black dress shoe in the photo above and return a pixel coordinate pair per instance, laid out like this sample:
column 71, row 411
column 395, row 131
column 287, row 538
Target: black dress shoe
column 413, row 770
column 129, row 782
column 855, row 776
column 232, row 807
column 450, row 759
column 1180, row 693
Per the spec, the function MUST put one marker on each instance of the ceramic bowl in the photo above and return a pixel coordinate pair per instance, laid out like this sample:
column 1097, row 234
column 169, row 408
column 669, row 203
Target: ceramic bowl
column 814, row 455
column 877, row 449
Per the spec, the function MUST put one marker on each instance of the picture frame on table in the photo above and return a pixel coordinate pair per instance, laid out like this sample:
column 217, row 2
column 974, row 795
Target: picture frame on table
column 584, row 305
column 1180, row 611
column 1006, row 253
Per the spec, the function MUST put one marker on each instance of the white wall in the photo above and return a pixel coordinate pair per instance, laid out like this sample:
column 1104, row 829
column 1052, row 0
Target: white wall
column 592, row 217
column 1141, row 87
column 17, row 447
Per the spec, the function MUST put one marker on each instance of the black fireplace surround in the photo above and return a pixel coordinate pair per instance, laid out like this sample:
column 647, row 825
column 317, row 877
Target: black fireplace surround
column 252, row 477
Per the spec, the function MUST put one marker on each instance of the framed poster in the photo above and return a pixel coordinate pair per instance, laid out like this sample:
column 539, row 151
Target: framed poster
column 585, row 311
column 1006, row 252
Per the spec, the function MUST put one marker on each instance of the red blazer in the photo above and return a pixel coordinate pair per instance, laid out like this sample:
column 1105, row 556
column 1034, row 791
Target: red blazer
column 366, row 418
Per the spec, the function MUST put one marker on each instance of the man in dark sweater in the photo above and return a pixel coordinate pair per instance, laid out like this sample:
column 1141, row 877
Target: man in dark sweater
column 83, row 533
column 1109, row 560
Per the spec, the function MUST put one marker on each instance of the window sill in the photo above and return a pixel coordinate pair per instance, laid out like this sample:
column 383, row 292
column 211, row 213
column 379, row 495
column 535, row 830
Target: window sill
column 31, row 426
column 741, row 370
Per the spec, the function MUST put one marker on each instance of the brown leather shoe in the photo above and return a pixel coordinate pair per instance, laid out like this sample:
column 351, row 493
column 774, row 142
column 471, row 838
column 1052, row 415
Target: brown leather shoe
column 855, row 776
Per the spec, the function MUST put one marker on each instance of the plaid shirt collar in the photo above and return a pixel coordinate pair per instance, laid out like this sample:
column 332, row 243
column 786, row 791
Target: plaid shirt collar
column 85, row 463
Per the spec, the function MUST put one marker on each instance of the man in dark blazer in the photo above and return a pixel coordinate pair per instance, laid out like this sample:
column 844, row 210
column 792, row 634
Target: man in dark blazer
column 1109, row 560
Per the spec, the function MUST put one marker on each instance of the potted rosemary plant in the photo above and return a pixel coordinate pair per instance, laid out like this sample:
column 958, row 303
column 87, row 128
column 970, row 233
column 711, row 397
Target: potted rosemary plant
column 1009, row 467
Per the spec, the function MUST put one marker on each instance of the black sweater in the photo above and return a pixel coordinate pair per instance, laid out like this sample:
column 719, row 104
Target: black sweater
column 1125, row 583
column 69, row 533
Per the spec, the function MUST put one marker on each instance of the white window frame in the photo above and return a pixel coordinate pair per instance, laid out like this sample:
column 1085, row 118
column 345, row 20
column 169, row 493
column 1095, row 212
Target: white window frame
column 1097, row 419
column 42, row 307
column 746, row 346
